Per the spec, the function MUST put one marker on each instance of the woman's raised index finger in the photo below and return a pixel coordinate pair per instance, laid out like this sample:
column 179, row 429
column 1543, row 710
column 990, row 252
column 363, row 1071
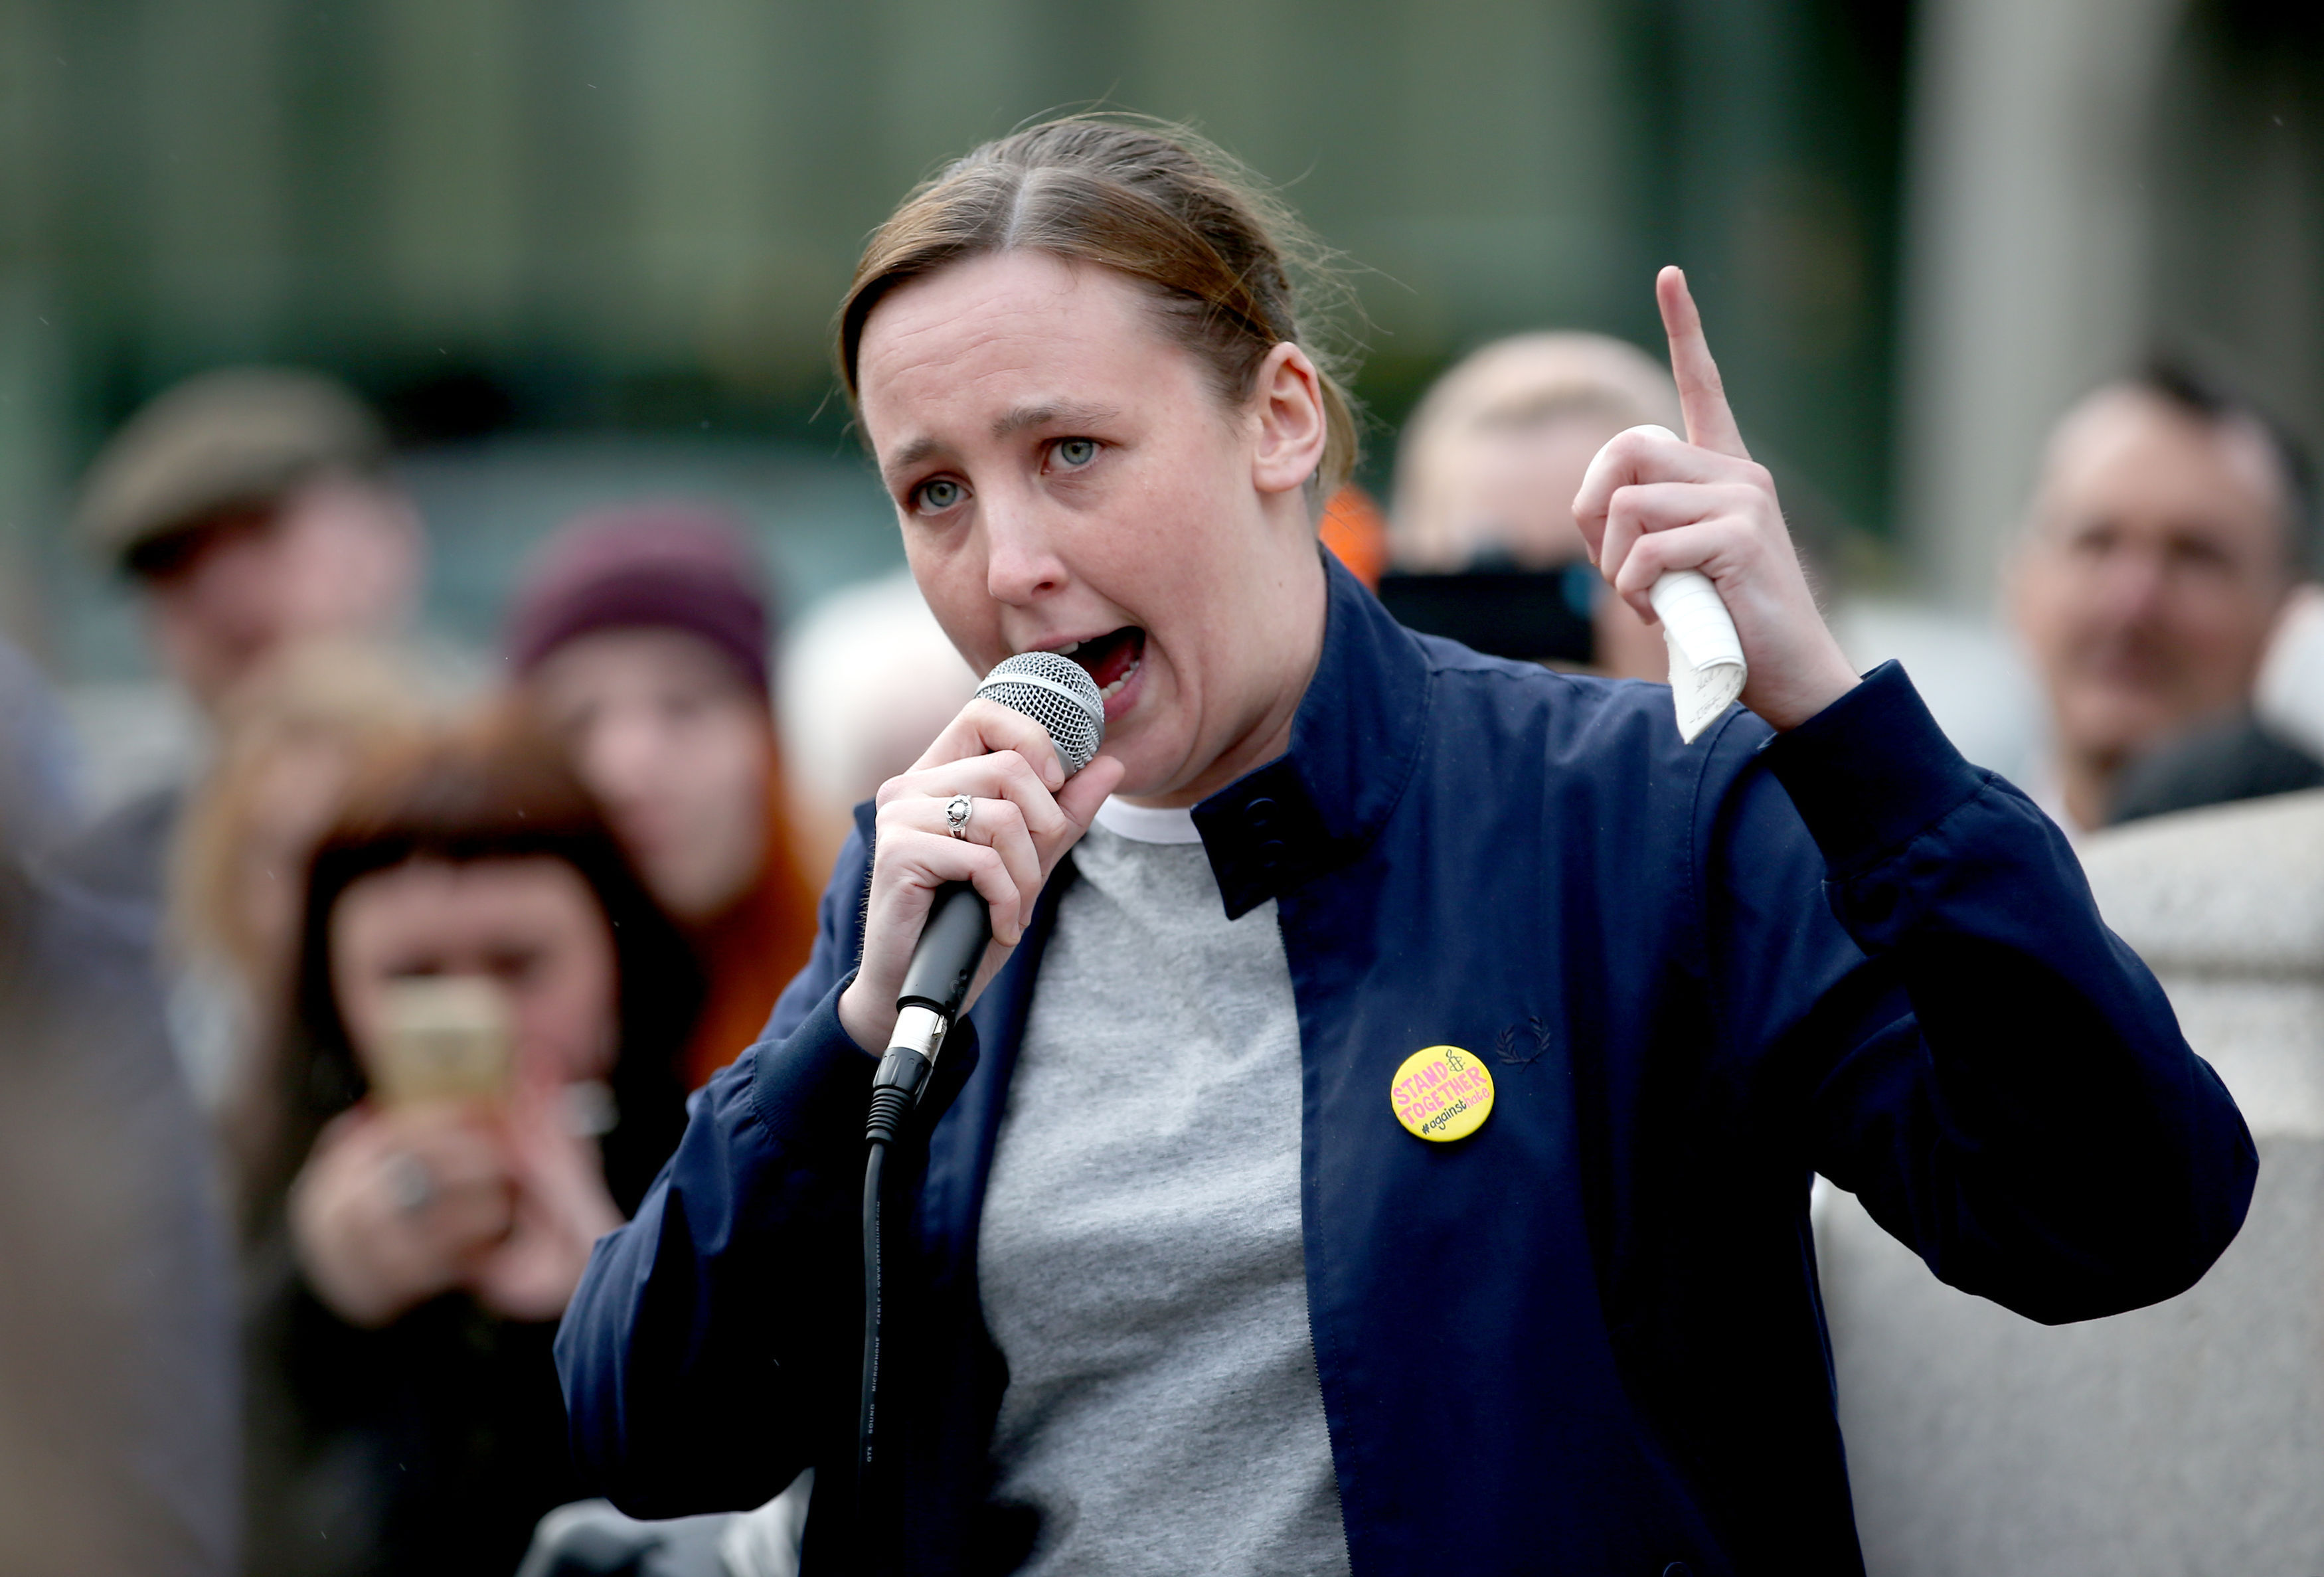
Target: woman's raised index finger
column 1710, row 424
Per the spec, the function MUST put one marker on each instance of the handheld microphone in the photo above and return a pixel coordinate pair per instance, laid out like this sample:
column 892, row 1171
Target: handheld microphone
column 1058, row 693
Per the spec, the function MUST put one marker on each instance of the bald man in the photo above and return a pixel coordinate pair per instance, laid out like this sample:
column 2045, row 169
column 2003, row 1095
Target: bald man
column 1494, row 453
column 2166, row 534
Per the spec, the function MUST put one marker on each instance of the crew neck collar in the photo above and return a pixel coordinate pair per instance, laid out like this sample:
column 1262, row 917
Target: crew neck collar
column 1143, row 824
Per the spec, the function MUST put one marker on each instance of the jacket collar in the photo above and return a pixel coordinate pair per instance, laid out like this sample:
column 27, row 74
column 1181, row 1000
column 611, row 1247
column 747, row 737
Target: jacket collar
column 1354, row 741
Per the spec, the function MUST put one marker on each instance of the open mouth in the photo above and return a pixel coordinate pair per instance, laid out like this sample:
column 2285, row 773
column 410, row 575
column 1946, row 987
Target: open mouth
column 1110, row 660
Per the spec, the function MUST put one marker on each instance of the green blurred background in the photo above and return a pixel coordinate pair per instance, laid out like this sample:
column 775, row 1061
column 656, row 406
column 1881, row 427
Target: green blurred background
column 580, row 249
column 515, row 224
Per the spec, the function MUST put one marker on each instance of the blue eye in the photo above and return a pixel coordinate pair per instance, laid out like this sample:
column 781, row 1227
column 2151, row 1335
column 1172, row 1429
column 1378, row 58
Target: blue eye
column 1075, row 452
column 940, row 494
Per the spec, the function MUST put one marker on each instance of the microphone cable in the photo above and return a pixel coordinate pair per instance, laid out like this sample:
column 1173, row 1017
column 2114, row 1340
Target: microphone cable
column 943, row 964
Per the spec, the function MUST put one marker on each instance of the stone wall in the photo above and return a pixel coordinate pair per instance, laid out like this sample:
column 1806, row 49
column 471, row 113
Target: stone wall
column 2184, row 1438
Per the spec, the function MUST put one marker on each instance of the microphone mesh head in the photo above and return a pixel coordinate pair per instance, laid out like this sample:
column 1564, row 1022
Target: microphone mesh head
column 1058, row 693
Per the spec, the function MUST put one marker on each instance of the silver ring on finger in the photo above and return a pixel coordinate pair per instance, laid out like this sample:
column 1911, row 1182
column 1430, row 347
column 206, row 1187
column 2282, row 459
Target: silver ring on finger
column 410, row 1184
column 957, row 810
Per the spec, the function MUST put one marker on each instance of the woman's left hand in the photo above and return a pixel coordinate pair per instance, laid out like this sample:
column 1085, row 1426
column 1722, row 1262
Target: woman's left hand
column 561, row 1209
column 394, row 1205
column 1652, row 504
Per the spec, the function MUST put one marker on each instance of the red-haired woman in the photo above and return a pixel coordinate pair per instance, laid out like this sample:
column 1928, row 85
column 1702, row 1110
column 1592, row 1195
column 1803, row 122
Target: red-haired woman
column 640, row 638
column 1201, row 1274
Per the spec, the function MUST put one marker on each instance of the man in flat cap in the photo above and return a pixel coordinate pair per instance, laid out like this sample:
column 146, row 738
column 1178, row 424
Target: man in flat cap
column 251, row 507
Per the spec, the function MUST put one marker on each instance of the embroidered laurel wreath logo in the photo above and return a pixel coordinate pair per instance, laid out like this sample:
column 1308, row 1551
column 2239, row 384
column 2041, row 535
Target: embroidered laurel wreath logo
column 1522, row 1044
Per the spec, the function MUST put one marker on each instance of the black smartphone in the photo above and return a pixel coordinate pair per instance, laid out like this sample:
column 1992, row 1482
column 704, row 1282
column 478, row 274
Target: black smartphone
column 1534, row 615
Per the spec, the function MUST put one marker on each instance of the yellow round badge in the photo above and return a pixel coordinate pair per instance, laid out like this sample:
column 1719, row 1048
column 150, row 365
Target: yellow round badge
column 1442, row 1093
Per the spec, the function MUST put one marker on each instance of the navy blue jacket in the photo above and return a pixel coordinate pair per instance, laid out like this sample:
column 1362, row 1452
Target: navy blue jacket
column 1586, row 1338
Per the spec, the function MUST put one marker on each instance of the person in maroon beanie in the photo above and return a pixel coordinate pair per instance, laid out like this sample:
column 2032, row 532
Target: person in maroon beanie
column 639, row 638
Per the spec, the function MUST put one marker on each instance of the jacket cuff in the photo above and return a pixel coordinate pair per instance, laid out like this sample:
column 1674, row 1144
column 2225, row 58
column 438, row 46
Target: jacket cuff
column 815, row 1082
column 1872, row 771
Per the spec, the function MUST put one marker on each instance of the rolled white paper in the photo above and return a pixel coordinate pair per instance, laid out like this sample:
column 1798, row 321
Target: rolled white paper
column 1707, row 670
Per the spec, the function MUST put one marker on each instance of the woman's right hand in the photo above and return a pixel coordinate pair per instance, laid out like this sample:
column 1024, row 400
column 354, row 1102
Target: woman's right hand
column 395, row 1207
column 1027, row 813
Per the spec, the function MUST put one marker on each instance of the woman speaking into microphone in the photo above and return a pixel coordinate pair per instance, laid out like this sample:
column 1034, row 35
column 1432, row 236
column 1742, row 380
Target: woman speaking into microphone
column 1382, row 1139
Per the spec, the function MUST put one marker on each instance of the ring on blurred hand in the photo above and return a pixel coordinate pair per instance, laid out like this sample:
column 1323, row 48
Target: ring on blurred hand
column 410, row 1184
column 956, row 814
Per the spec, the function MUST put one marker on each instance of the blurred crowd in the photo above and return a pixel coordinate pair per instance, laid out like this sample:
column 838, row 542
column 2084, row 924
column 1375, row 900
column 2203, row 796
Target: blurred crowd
column 322, row 1067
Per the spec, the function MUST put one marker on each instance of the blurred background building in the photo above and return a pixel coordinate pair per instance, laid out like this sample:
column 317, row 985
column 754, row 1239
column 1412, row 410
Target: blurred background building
column 580, row 250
